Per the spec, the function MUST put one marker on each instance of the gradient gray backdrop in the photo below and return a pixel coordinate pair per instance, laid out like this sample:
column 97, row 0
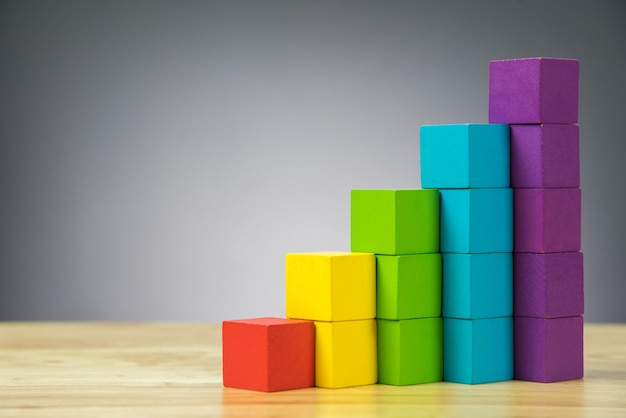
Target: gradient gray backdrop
column 159, row 159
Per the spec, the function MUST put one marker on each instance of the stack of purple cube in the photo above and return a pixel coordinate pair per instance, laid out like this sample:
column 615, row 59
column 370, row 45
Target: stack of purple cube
column 538, row 97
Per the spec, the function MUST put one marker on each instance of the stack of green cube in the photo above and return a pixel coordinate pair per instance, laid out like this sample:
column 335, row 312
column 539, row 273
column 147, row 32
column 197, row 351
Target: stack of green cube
column 402, row 228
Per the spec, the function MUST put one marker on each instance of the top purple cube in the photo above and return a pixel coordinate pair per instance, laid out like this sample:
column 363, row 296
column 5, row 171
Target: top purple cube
column 533, row 90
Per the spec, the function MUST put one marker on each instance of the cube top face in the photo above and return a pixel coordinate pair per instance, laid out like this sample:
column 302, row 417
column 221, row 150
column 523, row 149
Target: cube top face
column 478, row 350
column 549, row 350
column 410, row 351
column 395, row 221
column 547, row 220
column 545, row 156
column 345, row 353
column 533, row 90
column 549, row 285
column 266, row 321
column 478, row 286
column 465, row 156
column 477, row 220
column 268, row 354
column 408, row 286
column 331, row 286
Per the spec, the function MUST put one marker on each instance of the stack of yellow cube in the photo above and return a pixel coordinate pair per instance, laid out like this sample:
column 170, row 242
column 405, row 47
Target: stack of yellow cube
column 337, row 290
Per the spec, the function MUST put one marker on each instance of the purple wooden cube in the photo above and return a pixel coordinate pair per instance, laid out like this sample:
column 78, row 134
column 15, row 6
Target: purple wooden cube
column 545, row 156
column 548, row 285
column 546, row 220
column 548, row 350
column 533, row 90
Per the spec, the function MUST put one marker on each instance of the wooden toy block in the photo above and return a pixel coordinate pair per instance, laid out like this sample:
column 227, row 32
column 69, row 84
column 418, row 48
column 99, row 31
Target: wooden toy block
column 331, row 286
column 408, row 286
column 464, row 156
column 477, row 220
column 345, row 353
column 547, row 220
column 268, row 354
column 549, row 350
column 545, row 156
column 548, row 285
column 410, row 351
column 533, row 90
column 395, row 222
column 477, row 350
column 477, row 285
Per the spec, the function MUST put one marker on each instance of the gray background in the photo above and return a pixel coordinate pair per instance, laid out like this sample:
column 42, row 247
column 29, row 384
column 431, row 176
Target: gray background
column 159, row 159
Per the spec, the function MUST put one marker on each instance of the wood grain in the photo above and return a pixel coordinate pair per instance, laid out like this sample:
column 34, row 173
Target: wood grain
column 170, row 369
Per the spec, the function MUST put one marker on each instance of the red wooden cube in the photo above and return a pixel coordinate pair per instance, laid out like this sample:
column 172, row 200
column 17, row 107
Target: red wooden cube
column 268, row 354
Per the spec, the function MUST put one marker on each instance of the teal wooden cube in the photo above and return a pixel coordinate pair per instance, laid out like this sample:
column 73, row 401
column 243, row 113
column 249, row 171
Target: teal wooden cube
column 395, row 222
column 477, row 220
column 410, row 351
column 477, row 350
column 477, row 285
column 408, row 286
column 465, row 156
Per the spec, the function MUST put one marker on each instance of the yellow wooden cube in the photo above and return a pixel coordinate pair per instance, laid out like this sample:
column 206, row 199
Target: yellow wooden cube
column 345, row 353
column 331, row 286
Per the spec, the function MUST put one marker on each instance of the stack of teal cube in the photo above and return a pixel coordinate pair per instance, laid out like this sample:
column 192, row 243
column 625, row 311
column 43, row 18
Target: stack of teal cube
column 470, row 165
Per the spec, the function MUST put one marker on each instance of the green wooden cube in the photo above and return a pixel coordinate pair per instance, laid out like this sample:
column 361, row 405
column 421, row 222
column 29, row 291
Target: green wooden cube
column 410, row 351
column 395, row 222
column 408, row 286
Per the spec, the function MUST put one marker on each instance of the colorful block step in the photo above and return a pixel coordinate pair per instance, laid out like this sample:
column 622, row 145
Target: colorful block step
column 268, row 354
column 545, row 156
column 345, row 353
column 548, row 285
column 395, row 222
column 408, row 286
column 331, row 286
column 476, row 220
column 477, row 285
column 477, row 350
column 464, row 156
column 549, row 350
column 533, row 90
column 410, row 351
column 547, row 220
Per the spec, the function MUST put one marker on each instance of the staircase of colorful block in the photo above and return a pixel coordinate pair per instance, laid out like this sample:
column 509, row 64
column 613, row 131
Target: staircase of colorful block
column 539, row 98
column 444, row 282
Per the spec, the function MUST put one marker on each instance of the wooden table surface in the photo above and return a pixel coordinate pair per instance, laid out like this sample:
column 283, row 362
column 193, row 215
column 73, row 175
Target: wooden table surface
column 174, row 370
